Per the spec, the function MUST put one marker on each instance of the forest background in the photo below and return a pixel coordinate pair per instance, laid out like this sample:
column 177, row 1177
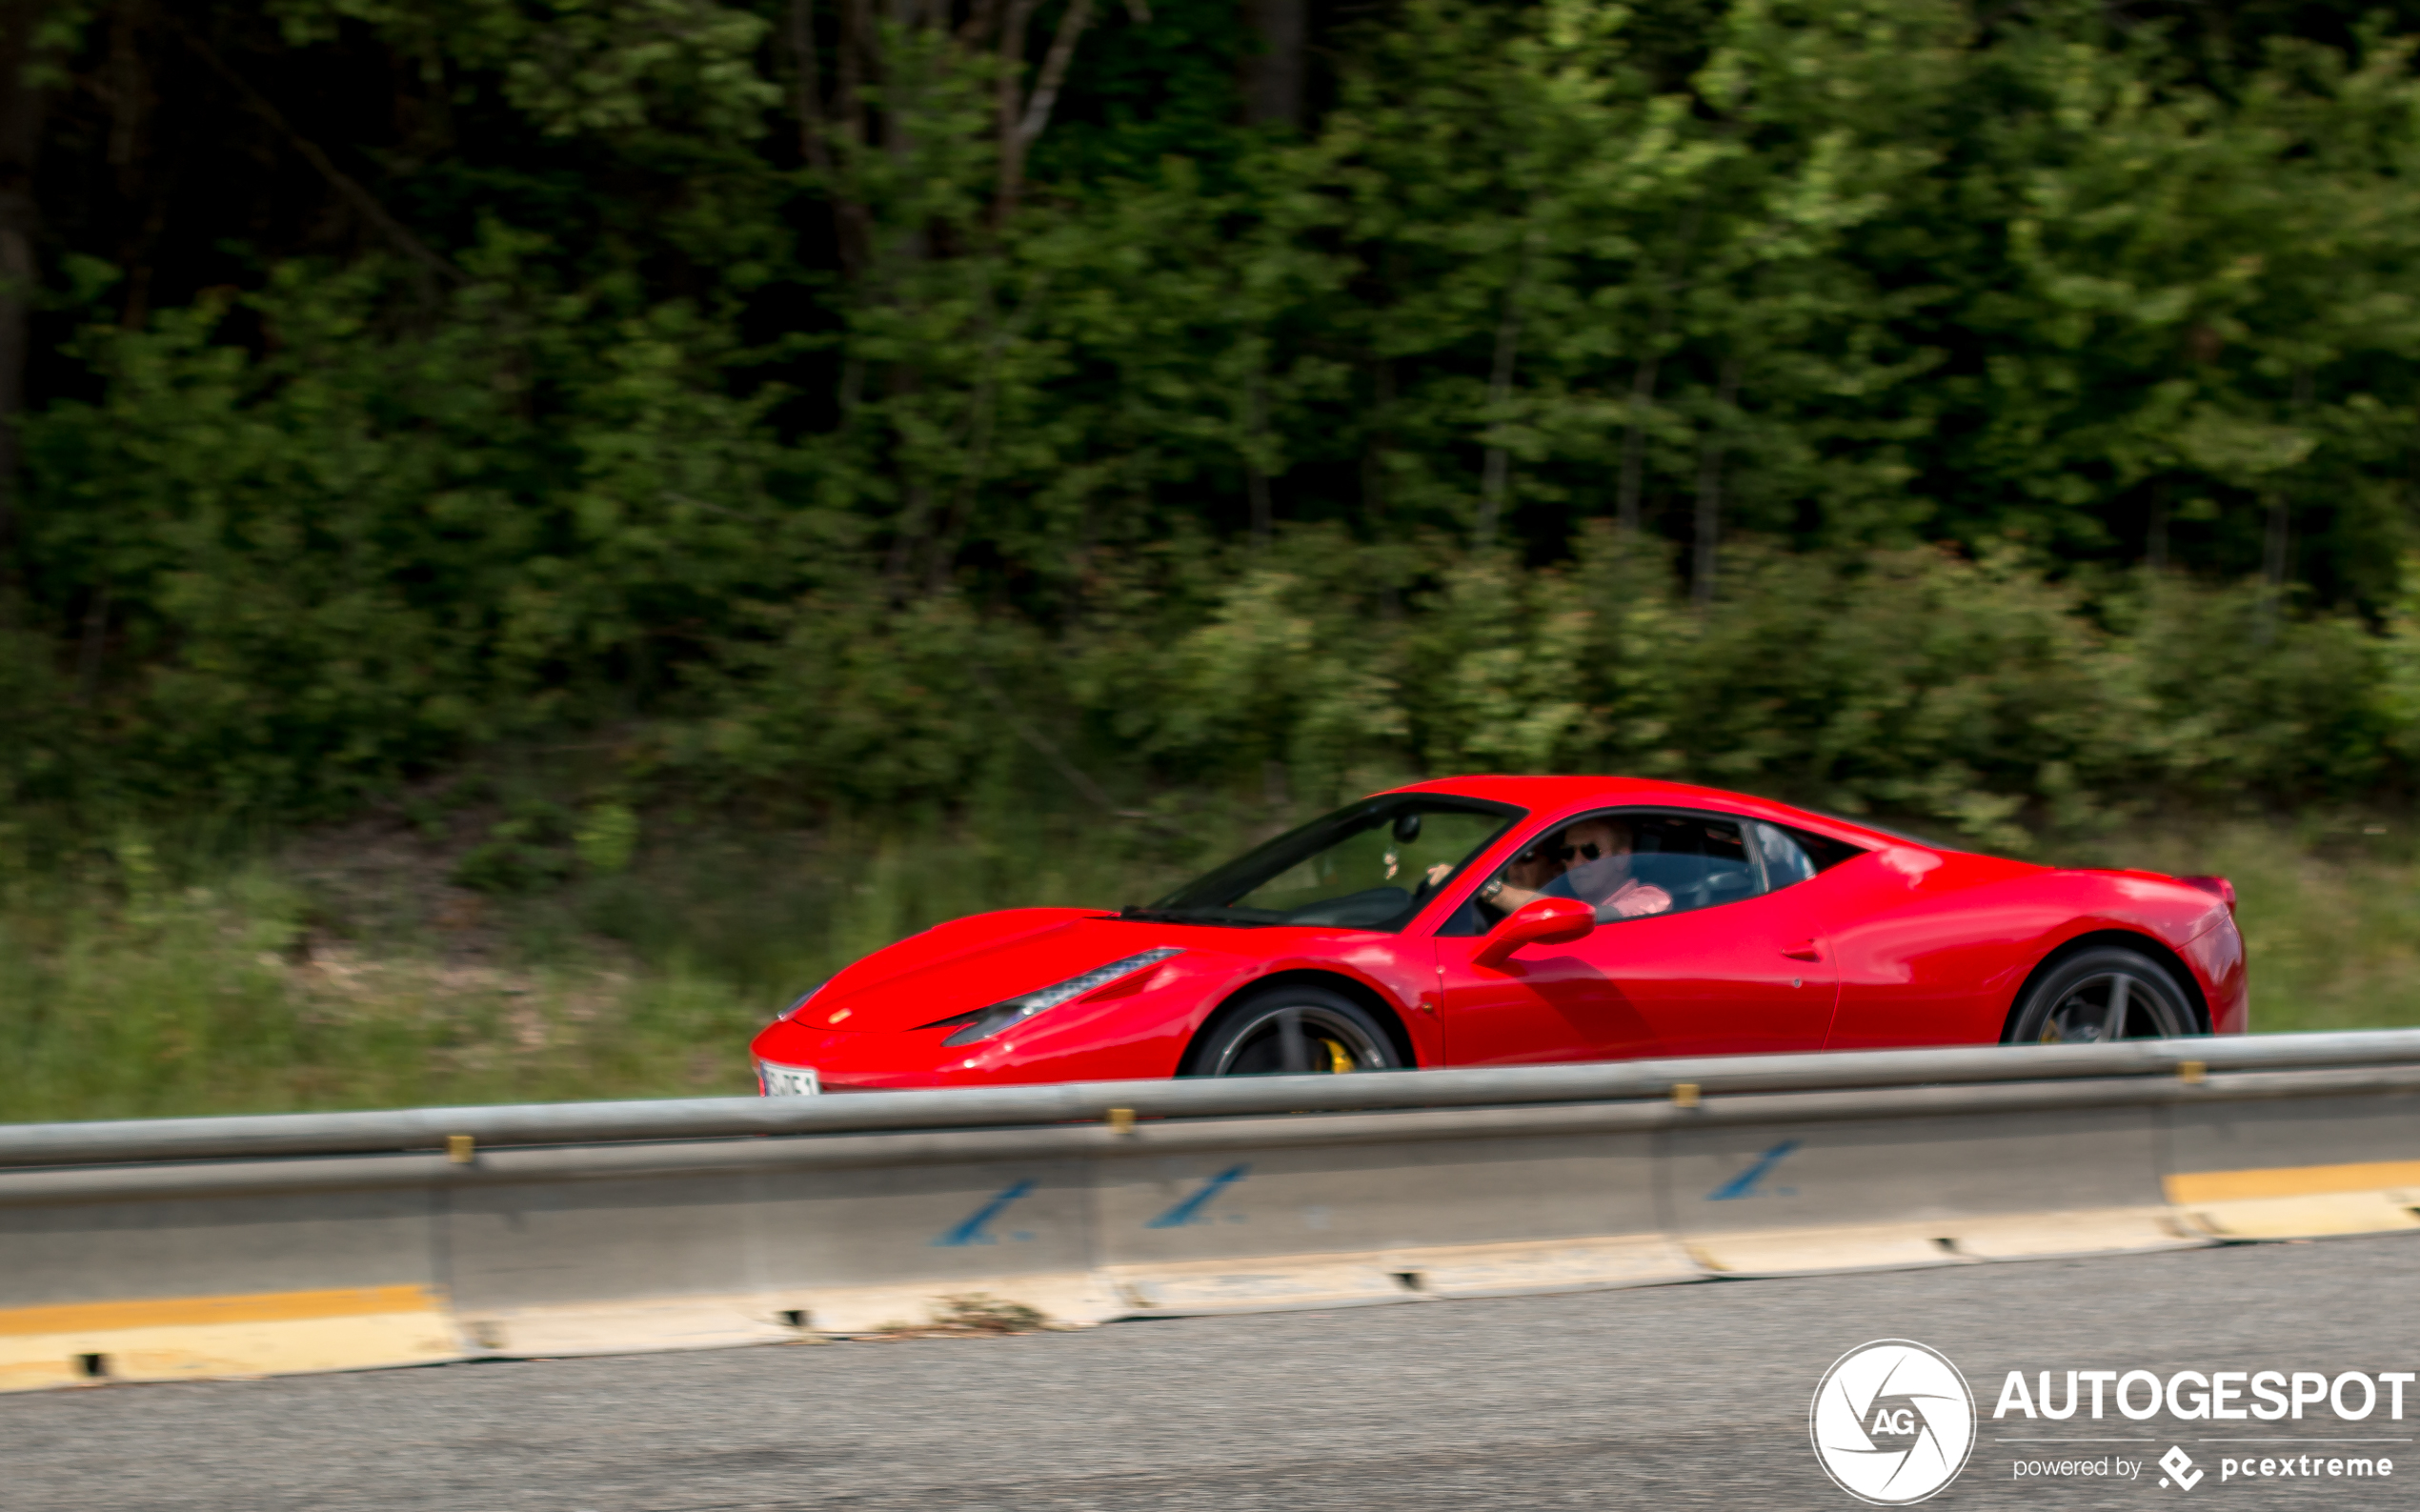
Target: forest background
column 493, row 487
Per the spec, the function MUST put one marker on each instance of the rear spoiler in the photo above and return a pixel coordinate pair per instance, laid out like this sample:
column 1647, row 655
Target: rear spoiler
column 2218, row 887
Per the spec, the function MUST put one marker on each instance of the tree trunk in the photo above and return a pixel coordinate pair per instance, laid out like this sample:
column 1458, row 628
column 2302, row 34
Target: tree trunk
column 1255, row 483
column 2273, row 564
column 21, row 107
column 1709, row 516
column 2155, row 539
column 2277, row 538
column 1008, row 105
column 848, row 70
column 1643, row 380
column 807, row 95
column 138, row 162
column 1020, row 128
column 1273, row 77
column 1634, row 446
column 96, row 635
column 904, row 97
column 916, row 509
column 1376, row 484
column 1375, row 447
column 979, row 422
column 1495, row 471
column 849, row 228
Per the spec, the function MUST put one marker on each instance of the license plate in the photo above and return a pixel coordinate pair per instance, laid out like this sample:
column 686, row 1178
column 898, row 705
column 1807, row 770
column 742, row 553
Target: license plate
column 787, row 1082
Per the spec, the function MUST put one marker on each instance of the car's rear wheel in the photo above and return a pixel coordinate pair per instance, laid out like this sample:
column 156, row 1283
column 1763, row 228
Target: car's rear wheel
column 2103, row 995
column 1298, row 1031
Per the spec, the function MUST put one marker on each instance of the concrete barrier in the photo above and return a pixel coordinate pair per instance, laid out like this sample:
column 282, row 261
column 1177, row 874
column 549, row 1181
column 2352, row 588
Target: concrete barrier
column 1930, row 1189
column 2296, row 1165
column 145, row 1251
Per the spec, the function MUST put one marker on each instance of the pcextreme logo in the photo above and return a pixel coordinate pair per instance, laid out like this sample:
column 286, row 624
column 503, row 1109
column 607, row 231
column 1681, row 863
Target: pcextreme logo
column 1893, row 1421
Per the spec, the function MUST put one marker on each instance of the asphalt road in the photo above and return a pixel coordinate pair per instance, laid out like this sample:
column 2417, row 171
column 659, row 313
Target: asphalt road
column 1680, row 1396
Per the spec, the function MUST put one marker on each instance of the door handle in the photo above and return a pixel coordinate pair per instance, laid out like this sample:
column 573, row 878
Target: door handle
column 1803, row 950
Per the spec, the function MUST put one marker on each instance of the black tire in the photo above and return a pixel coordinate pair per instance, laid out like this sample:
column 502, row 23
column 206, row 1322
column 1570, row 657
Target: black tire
column 2074, row 1001
column 1317, row 1030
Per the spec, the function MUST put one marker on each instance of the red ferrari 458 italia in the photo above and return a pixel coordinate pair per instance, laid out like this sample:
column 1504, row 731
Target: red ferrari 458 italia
column 1477, row 921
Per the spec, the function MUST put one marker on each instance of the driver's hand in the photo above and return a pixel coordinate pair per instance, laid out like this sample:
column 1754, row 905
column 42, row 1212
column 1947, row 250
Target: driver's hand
column 1437, row 873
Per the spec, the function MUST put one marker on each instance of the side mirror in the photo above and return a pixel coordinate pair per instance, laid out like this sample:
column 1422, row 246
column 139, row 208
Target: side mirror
column 1545, row 922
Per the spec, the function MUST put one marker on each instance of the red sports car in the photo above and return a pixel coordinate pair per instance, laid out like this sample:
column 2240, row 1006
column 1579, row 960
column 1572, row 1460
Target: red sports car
column 1518, row 920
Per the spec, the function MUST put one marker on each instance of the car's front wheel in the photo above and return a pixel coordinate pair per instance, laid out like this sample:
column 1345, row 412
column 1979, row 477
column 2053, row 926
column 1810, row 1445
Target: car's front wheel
column 2100, row 994
column 1299, row 1031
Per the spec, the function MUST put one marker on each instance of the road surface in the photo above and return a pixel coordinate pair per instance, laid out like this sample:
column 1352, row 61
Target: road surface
column 1690, row 1395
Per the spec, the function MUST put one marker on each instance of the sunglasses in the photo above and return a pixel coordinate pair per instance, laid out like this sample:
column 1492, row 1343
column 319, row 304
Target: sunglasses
column 1586, row 852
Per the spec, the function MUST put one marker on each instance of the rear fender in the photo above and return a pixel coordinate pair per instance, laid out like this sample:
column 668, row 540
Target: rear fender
column 2187, row 978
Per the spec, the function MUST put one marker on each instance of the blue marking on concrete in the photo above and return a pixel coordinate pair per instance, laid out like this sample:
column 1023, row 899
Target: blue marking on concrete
column 1190, row 1209
column 1743, row 1184
column 971, row 1232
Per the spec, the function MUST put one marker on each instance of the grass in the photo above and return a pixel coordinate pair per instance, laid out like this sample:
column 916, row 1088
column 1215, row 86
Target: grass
column 2330, row 910
column 350, row 970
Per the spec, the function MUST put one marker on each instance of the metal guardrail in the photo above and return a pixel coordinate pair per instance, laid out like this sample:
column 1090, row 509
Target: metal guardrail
column 504, row 1166
column 175, row 1247
column 990, row 1107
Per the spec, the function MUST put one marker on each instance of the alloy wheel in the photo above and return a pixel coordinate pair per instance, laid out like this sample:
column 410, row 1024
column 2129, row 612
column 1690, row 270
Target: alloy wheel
column 1302, row 1040
column 2112, row 1005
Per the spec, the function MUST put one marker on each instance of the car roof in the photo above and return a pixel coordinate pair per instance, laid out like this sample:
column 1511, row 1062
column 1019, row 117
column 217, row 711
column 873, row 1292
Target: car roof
column 1553, row 794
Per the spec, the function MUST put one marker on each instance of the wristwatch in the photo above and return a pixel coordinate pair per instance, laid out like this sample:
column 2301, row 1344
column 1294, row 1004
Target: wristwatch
column 1490, row 893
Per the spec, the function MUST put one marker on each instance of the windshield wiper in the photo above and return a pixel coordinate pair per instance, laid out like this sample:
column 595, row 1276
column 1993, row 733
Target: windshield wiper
column 1174, row 916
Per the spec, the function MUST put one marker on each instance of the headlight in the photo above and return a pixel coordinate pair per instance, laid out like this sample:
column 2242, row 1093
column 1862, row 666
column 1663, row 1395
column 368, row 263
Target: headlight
column 804, row 998
column 984, row 1023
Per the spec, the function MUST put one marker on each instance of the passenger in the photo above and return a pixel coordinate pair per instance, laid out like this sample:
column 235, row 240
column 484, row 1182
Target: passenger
column 1525, row 877
column 1596, row 869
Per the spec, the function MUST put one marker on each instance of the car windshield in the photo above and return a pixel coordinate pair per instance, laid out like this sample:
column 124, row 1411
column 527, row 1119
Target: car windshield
column 1370, row 866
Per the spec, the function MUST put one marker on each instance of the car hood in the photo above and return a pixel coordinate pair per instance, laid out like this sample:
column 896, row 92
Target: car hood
column 972, row 963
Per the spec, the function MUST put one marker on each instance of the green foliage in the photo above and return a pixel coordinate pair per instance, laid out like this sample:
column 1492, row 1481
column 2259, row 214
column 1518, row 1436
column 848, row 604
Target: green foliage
column 575, row 68
column 531, row 848
column 1914, row 682
column 607, row 837
column 365, row 550
column 789, row 451
column 2001, row 419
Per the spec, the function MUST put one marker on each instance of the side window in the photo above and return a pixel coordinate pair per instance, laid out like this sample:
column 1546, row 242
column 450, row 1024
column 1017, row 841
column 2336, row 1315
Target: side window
column 1625, row 865
column 1786, row 861
column 1790, row 856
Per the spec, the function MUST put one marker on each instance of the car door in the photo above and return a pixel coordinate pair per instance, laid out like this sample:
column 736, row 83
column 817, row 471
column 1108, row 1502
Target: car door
column 1734, row 964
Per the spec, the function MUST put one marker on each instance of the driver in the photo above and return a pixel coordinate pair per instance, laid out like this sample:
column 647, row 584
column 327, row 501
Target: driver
column 1596, row 869
column 1589, row 861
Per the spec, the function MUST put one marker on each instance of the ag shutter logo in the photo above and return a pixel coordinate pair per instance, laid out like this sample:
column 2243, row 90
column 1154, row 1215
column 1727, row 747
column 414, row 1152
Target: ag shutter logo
column 1892, row 1423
